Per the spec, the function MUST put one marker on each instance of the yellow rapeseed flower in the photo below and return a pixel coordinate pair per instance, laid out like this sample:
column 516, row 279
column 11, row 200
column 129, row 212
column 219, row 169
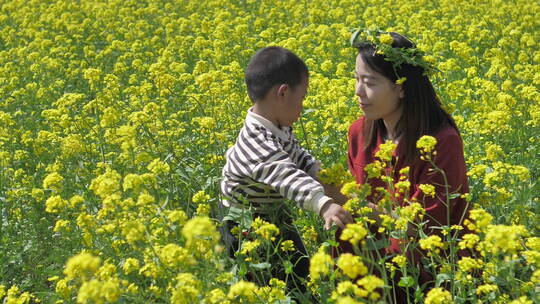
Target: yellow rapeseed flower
column 428, row 190
column 95, row 291
column 200, row 229
column 320, row 264
column 480, row 220
column 55, row 204
column 400, row 260
column 486, row 289
column 130, row 265
column 370, row 284
column 133, row 231
column 386, row 39
column 244, row 290
column 426, row 144
column 187, row 289
column 53, row 181
column 432, row 243
column 106, row 184
column 467, row 264
column 287, row 245
column 175, row 256
column 351, row 265
column 200, row 197
column 386, row 151
column 354, row 233
column 469, row 241
column 267, row 231
column 504, row 239
column 522, row 300
column 438, row 296
column 82, row 265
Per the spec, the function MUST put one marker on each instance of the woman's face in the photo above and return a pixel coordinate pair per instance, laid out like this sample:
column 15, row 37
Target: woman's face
column 378, row 96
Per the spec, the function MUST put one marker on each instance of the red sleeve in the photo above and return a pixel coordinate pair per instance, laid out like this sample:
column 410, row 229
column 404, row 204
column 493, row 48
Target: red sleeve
column 355, row 156
column 450, row 160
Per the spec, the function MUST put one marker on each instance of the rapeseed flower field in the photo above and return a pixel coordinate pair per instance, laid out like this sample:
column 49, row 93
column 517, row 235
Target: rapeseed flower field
column 115, row 117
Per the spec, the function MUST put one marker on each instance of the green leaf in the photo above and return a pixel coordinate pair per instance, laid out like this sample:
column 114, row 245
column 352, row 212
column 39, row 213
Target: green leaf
column 354, row 36
column 406, row 281
column 264, row 265
column 288, row 267
column 371, row 245
column 454, row 195
column 244, row 217
column 441, row 277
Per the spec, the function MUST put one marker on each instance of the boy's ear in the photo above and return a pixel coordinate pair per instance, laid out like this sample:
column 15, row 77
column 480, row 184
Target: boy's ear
column 282, row 89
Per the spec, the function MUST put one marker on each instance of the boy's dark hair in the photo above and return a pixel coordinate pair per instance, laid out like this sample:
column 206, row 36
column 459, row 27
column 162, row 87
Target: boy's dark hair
column 271, row 66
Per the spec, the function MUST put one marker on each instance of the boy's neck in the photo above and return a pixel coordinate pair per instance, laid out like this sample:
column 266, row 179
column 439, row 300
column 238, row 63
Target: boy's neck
column 265, row 110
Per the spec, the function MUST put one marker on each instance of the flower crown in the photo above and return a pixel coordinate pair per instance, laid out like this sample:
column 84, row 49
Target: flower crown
column 397, row 56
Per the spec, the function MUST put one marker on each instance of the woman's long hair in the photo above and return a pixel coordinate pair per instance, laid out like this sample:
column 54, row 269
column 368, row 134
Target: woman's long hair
column 422, row 111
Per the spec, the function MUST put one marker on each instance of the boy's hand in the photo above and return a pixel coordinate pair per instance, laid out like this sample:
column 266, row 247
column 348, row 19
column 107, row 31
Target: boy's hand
column 334, row 213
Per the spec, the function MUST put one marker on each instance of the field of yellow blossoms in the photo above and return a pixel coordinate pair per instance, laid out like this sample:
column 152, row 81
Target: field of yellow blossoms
column 115, row 117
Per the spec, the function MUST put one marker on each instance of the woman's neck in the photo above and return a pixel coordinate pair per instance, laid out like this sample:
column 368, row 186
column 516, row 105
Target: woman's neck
column 391, row 121
column 390, row 131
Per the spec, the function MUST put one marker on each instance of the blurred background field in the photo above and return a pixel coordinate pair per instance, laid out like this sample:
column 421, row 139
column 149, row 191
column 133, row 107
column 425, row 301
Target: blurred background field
column 115, row 117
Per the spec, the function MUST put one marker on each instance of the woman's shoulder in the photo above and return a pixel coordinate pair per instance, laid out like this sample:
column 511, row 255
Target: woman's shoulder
column 447, row 133
column 357, row 126
column 449, row 139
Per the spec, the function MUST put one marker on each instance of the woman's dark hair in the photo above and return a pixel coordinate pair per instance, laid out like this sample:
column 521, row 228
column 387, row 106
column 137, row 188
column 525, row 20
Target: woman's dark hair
column 422, row 111
column 271, row 66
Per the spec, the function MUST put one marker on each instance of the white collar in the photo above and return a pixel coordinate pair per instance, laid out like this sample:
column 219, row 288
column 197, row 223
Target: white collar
column 283, row 132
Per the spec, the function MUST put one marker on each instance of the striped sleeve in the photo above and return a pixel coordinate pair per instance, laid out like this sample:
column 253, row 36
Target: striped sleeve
column 280, row 172
column 305, row 160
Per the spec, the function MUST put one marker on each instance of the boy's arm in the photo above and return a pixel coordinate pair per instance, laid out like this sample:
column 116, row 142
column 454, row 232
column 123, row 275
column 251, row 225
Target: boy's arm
column 281, row 173
column 306, row 161
column 312, row 166
column 275, row 168
column 334, row 192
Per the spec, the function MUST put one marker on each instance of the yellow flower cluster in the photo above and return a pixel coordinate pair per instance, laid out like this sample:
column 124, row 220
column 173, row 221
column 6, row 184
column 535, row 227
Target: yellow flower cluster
column 83, row 266
column 438, row 296
column 354, row 233
column 335, row 175
column 428, row 190
column 320, row 264
column 467, row 264
column 267, row 231
column 408, row 214
column 386, row 151
column 432, row 243
column 200, row 197
column 14, row 295
column 426, row 144
column 351, row 265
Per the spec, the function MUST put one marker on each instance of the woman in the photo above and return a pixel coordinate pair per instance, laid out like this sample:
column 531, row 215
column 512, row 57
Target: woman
column 400, row 105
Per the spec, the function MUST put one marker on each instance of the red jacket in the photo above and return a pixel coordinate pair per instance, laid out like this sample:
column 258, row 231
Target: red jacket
column 449, row 158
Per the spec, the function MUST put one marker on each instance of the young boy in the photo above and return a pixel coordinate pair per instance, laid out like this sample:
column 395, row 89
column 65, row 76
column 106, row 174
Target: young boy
column 266, row 165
